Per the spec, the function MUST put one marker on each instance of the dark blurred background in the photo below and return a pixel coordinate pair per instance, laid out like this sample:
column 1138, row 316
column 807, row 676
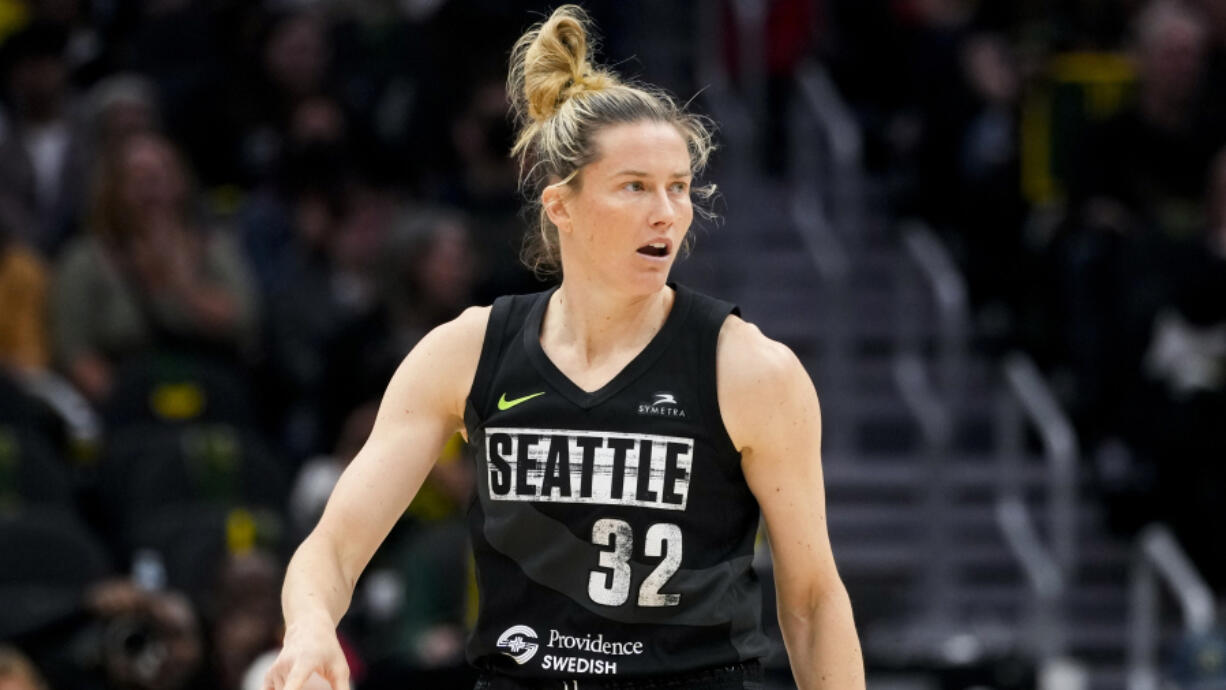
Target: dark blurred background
column 995, row 232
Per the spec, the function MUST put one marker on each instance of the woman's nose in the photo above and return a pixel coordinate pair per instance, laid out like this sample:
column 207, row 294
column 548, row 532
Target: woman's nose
column 663, row 210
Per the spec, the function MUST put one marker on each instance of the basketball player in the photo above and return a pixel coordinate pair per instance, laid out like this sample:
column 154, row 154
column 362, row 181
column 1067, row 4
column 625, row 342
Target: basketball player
column 628, row 431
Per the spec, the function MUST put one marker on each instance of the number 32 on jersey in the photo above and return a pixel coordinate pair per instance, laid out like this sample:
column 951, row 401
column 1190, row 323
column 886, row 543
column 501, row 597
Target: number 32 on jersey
column 609, row 584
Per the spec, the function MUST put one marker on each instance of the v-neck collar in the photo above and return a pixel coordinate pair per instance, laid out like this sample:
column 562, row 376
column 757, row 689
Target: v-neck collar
column 635, row 368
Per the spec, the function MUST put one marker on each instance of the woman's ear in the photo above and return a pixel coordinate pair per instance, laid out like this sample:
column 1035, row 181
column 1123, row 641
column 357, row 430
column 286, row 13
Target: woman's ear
column 553, row 200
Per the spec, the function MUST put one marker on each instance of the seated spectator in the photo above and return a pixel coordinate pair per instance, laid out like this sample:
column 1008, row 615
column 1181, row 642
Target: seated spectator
column 990, row 206
column 32, row 395
column 293, row 64
column 1137, row 195
column 23, row 299
column 36, row 398
column 148, row 274
column 428, row 272
column 1173, row 416
column 328, row 281
column 42, row 172
column 484, row 185
column 246, row 618
column 313, row 167
column 117, row 108
column 151, row 638
column 1150, row 160
column 120, row 106
column 426, row 276
column 51, row 561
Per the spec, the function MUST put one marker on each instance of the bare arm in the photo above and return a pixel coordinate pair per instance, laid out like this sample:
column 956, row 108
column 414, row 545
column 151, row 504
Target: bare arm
column 422, row 408
column 771, row 411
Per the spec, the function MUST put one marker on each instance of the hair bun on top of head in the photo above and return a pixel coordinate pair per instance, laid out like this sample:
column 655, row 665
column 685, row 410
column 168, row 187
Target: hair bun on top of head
column 561, row 101
column 549, row 65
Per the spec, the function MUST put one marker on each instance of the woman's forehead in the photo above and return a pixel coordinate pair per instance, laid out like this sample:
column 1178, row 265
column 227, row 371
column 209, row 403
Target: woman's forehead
column 651, row 147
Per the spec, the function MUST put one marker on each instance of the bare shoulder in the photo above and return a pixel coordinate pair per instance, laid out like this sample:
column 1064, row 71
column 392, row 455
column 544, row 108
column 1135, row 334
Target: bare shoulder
column 443, row 364
column 466, row 331
column 456, row 343
column 745, row 356
column 760, row 381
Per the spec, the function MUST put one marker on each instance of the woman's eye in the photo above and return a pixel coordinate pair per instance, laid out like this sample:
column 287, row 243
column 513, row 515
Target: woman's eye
column 679, row 187
column 635, row 186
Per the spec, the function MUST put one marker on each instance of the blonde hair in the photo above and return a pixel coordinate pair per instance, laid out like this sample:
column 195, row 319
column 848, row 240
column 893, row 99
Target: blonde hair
column 109, row 217
column 560, row 100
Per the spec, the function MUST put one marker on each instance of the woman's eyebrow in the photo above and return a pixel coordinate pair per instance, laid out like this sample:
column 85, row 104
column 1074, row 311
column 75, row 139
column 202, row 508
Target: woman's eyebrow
column 640, row 173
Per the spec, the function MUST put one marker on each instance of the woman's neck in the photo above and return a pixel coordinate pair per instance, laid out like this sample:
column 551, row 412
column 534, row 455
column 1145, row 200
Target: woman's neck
column 595, row 323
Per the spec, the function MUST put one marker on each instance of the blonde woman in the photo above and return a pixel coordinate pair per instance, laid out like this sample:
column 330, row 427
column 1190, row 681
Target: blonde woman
column 628, row 431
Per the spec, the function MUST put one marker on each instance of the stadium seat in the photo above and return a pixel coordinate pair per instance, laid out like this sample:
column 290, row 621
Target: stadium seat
column 30, row 471
column 191, row 540
column 49, row 559
column 174, row 389
column 149, row 469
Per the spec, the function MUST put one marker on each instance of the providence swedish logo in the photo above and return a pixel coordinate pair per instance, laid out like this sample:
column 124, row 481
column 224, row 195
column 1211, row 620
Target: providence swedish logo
column 519, row 643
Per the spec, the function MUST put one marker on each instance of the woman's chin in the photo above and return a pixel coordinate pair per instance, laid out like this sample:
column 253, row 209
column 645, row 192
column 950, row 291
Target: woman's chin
column 648, row 282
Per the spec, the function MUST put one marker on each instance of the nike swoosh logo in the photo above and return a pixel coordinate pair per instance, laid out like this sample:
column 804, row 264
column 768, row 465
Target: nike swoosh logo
column 504, row 404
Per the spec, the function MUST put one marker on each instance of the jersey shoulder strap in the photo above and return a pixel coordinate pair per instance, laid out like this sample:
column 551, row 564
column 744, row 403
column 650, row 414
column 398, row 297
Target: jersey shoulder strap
column 507, row 316
column 708, row 315
column 709, row 311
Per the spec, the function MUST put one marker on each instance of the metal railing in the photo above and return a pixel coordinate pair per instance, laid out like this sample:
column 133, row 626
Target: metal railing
column 1060, row 451
column 1044, row 576
column 949, row 294
column 1048, row 567
column 1159, row 558
column 936, row 425
column 837, row 150
column 931, row 403
column 825, row 153
column 824, row 185
column 824, row 147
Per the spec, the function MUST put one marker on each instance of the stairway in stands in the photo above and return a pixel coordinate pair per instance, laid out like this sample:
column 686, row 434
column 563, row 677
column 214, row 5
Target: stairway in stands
column 876, row 482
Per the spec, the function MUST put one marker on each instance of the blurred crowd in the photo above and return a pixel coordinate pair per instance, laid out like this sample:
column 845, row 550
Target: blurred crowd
column 223, row 223
column 1073, row 155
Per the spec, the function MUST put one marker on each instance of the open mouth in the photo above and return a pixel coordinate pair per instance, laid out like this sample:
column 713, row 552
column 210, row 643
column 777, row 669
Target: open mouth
column 654, row 249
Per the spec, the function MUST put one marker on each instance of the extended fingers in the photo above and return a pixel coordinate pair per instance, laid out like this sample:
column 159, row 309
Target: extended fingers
column 339, row 674
column 297, row 678
column 274, row 679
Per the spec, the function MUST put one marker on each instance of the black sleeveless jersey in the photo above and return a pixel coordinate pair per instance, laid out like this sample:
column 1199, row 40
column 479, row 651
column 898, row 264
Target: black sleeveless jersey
column 613, row 530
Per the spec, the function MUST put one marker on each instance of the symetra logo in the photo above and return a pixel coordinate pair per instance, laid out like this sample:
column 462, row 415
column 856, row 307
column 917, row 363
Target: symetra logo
column 663, row 404
column 518, row 642
column 504, row 404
